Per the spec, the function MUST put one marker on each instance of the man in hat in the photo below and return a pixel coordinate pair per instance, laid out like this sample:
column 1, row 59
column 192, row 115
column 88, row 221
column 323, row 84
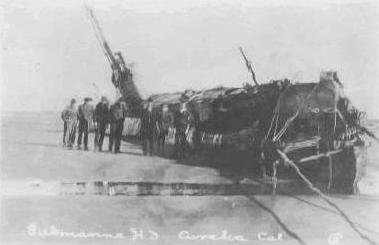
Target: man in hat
column 148, row 128
column 117, row 117
column 101, row 119
column 69, row 116
column 85, row 117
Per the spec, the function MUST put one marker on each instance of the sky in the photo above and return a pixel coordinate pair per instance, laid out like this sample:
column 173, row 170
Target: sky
column 49, row 52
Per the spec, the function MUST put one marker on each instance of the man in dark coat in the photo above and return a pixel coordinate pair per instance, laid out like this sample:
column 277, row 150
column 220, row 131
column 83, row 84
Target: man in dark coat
column 180, row 124
column 117, row 117
column 193, row 130
column 85, row 117
column 164, row 122
column 148, row 129
column 101, row 119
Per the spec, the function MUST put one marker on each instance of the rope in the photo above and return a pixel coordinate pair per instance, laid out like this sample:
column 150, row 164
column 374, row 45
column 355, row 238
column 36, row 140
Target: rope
column 285, row 127
column 274, row 177
column 272, row 122
column 329, row 210
column 324, row 197
column 330, row 166
column 291, row 119
column 369, row 133
column 276, row 113
column 293, row 146
column 289, row 232
column 315, row 157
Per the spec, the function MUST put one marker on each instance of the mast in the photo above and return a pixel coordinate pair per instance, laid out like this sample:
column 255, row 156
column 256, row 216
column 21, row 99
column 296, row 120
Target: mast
column 249, row 67
column 122, row 77
column 100, row 36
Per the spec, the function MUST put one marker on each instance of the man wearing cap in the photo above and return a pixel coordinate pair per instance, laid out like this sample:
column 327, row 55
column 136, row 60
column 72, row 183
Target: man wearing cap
column 69, row 116
column 85, row 117
column 101, row 119
column 117, row 117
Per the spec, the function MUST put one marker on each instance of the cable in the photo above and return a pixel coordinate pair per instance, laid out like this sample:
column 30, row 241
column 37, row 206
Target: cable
column 327, row 210
column 278, row 220
column 291, row 119
column 323, row 196
column 276, row 113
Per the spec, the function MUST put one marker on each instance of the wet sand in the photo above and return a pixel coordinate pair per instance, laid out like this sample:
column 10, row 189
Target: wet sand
column 33, row 160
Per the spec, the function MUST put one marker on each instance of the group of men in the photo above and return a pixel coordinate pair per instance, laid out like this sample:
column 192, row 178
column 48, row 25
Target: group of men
column 155, row 127
column 79, row 119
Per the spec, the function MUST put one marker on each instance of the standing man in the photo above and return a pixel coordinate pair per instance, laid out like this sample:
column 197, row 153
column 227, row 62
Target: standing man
column 164, row 122
column 117, row 117
column 85, row 117
column 192, row 131
column 148, row 126
column 180, row 124
column 101, row 121
column 69, row 116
